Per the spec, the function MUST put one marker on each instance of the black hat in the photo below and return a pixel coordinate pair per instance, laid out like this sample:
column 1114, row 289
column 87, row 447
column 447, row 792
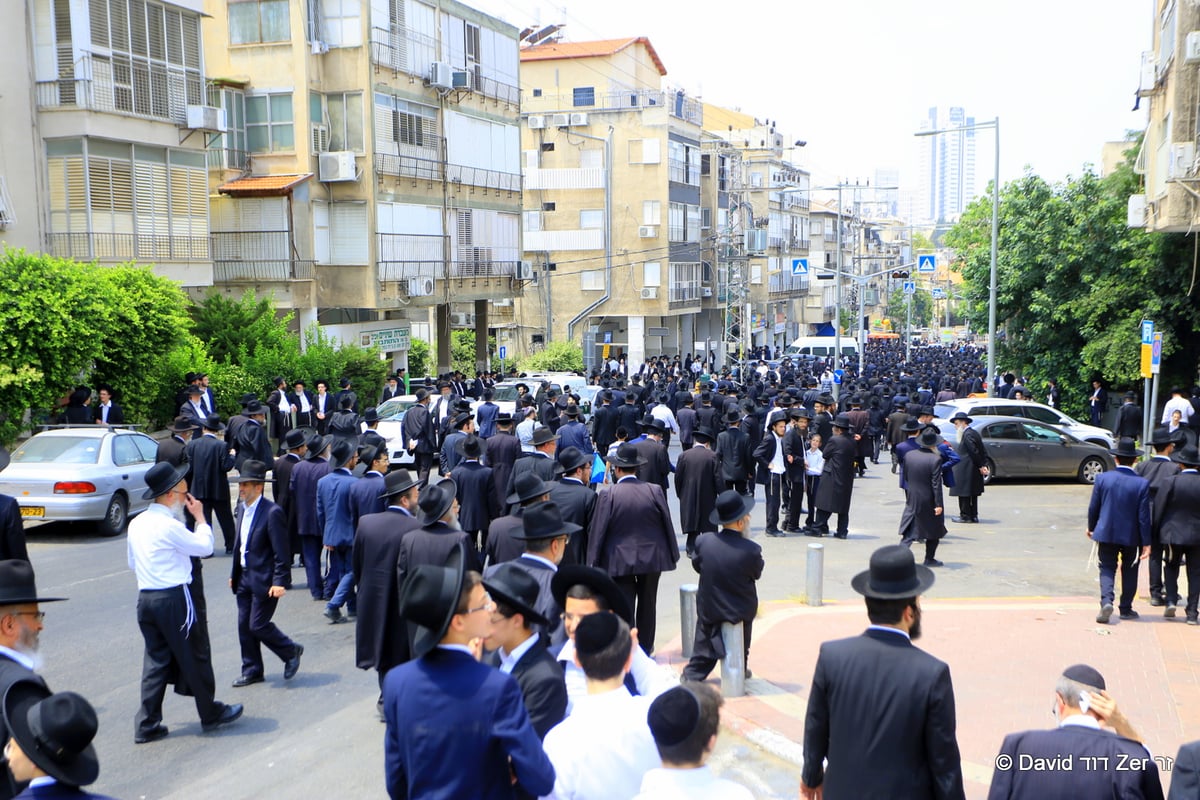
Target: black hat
column 421, row 394
column 571, row 411
column 595, row 579
column 544, row 521
column 399, row 481
column 54, row 731
column 469, row 446
column 1130, row 396
column 911, row 424
column 189, row 377
column 252, row 472
column 596, row 632
column 1188, row 456
column 826, row 400
column 626, row 457
column 504, row 418
column 515, row 587
column 1088, row 676
column 254, row 407
column 706, row 397
column 527, row 486
column 731, row 507
column 294, row 439
column 963, row 416
column 246, row 398
column 342, row 451
column 1163, row 435
column 777, row 416
column 704, row 433
column 182, row 424
column 162, row 478
column 927, row 411
column 370, row 415
column 1125, row 448
column 652, row 423
column 367, row 453
column 430, row 599
column 842, row 421
column 929, row 437
column 542, row 435
column 893, row 575
column 733, row 416
column 435, row 500
column 17, row 585
column 317, row 444
column 213, row 423
column 193, row 388
column 344, row 383
column 572, row 458
column 673, row 716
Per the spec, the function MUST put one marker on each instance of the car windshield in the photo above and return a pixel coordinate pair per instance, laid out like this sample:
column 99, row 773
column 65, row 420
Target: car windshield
column 59, row 449
column 504, row 394
column 394, row 408
column 944, row 410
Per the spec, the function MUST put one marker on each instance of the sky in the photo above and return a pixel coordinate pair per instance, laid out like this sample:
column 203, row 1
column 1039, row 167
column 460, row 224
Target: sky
column 854, row 78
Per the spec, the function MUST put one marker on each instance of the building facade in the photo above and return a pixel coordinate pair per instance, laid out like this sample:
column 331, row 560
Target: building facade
column 946, row 166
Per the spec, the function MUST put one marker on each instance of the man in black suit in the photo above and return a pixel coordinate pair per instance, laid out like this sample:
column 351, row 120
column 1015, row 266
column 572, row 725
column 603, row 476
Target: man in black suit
column 520, row 650
column 540, row 462
column 923, row 519
column 252, row 442
column 734, row 454
column 627, row 414
column 729, row 564
column 1097, row 402
column 576, row 499
column 261, row 575
column 419, row 438
column 881, row 711
column 12, row 526
column 171, row 449
column 970, row 471
column 1129, row 418
column 192, row 408
column 604, row 423
column 301, row 399
column 837, row 482
column 1103, row 762
column 1176, row 525
column 504, row 542
column 209, row 460
column 771, row 469
column 391, row 389
column 795, row 442
column 107, row 412
column 697, row 484
column 345, row 393
column 295, row 442
column 281, row 414
column 1185, row 772
column 476, row 484
column 439, row 533
column 502, row 451
column 652, row 450
column 1157, row 469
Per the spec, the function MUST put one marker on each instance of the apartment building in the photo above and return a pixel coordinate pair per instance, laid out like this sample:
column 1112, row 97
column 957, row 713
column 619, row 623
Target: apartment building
column 367, row 171
column 102, row 151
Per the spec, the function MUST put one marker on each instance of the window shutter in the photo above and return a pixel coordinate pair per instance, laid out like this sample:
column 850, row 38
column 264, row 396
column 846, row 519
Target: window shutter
column 99, row 9
column 320, row 213
column 348, row 233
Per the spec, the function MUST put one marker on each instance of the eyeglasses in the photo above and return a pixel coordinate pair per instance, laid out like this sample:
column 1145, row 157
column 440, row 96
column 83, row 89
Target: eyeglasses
column 572, row 619
column 38, row 615
column 488, row 605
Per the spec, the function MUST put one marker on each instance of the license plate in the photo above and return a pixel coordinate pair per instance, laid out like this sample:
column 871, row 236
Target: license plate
column 33, row 511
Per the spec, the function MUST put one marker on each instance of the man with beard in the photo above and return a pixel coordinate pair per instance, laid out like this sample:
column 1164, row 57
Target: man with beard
column 439, row 534
column 881, row 711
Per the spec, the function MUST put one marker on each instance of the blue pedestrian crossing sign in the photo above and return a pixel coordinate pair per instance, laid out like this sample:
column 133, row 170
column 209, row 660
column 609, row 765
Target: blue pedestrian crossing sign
column 799, row 266
column 927, row 263
column 910, row 287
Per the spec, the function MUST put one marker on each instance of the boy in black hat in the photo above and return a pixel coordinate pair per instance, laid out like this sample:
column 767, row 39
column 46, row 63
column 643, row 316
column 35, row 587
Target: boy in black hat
column 729, row 564
column 477, row 496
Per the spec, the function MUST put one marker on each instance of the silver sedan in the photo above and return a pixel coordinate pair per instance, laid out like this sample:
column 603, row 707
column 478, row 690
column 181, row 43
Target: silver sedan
column 1021, row 448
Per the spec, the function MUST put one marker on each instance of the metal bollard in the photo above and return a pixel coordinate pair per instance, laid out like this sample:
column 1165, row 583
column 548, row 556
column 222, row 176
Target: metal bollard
column 733, row 666
column 687, row 617
column 816, row 573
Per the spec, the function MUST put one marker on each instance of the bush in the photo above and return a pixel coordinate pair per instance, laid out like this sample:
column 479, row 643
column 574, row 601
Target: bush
column 555, row 357
column 419, row 362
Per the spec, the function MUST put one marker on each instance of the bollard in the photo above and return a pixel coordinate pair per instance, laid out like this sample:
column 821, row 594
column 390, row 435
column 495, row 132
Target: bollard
column 687, row 617
column 816, row 576
column 733, row 666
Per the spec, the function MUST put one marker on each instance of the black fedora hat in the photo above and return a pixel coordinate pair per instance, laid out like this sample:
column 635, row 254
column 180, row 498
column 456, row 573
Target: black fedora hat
column 595, row 579
column 1188, row 456
column 731, row 507
column 399, row 481
column 54, row 731
column 470, row 446
column 652, row 423
column 842, row 421
column 193, row 388
column 370, row 415
column 544, row 521
column 572, row 458
column 1125, row 448
column 435, row 500
column 542, row 435
column 893, row 575
column 911, row 424
column 340, row 454
column 17, row 584
column 962, row 415
column 254, row 408
column 571, row 411
column 1163, row 435
column 317, row 444
column 246, row 398
column 252, row 472
column 367, row 453
column 430, row 599
column 626, row 457
column 733, row 416
column 182, row 424
column 504, row 418
column 705, row 434
column 515, row 587
column 527, row 486
column 294, row 439
column 162, row 478
column 929, row 437
column 213, row 423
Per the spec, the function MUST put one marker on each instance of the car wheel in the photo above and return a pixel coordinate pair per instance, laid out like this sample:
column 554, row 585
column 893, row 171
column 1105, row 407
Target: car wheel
column 116, row 516
column 991, row 471
column 1090, row 468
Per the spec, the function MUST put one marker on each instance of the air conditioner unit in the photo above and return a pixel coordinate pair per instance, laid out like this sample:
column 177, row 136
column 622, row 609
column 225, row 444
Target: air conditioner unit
column 206, row 118
column 461, row 79
column 1191, row 49
column 420, row 287
column 650, row 293
column 1135, row 214
column 648, row 231
column 441, row 75
column 579, row 118
column 1148, row 78
column 462, row 319
column 756, row 241
column 525, row 271
column 1183, row 157
column 537, row 121
column 706, row 291
column 561, row 120
column 337, row 166
column 320, row 138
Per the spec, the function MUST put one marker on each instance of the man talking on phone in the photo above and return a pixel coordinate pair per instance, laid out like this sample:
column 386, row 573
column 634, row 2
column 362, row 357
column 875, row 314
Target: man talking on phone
column 1094, row 751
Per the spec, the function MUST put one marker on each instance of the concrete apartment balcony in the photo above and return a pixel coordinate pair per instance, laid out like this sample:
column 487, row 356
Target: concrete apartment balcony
column 257, row 257
column 423, row 163
column 411, row 53
column 110, row 84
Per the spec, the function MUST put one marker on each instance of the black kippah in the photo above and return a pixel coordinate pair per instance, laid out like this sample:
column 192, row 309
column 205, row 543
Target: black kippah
column 673, row 716
column 595, row 633
column 1088, row 676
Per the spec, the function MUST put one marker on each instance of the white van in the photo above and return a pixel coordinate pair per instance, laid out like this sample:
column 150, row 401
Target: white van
column 822, row 347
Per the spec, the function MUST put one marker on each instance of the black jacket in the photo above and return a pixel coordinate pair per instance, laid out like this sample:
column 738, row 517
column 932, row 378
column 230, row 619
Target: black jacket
column 211, row 461
column 1078, row 743
column 729, row 564
column 380, row 641
column 542, row 685
column 268, row 554
column 733, row 455
column 577, row 504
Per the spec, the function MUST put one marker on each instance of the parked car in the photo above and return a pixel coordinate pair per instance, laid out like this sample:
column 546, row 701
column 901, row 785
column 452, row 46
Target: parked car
column 93, row 474
column 1021, row 448
column 391, row 428
column 998, row 406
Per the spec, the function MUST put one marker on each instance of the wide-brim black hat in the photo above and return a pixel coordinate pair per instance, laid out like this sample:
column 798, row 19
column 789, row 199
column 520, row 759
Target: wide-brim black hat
column 626, row 457
column 842, row 421
column 181, row 424
column 733, row 415
column 341, row 453
column 705, row 434
column 294, row 439
column 542, row 435
column 652, row 423
column 254, row 408
column 572, row 458
column 17, row 584
column 515, row 587
column 1125, row 448
column 252, row 472
column 54, row 731
column 1163, row 435
column 595, row 579
column 370, row 415
column 1188, row 456
column 911, row 424
column 962, row 415
column 317, row 445
column 893, row 575
column 213, row 423
column 929, row 437
column 435, row 500
column 730, row 507
column 571, row 411
column 470, row 446
column 430, row 599
column 527, row 486
column 399, row 481
column 543, row 521
column 162, row 478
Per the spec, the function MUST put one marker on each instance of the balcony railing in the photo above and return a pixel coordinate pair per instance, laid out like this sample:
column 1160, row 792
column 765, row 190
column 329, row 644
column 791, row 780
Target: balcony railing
column 127, row 247
column 677, row 105
column 257, row 257
column 685, row 292
column 122, row 86
column 490, row 87
column 785, row 282
column 412, row 53
column 483, row 269
column 486, row 178
column 426, row 168
column 221, row 158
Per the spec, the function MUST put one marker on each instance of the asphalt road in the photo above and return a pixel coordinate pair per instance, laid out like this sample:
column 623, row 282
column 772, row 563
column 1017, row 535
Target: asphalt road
column 317, row 735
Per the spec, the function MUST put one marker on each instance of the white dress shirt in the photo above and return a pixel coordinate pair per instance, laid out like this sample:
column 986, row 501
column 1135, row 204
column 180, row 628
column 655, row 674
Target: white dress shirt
column 247, row 523
column 509, row 660
column 1179, row 404
column 19, row 657
column 604, row 749
column 690, row 784
column 650, row 677
column 160, row 548
column 778, row 466
column 104, row 409
column 662, row 413
column 302, row 399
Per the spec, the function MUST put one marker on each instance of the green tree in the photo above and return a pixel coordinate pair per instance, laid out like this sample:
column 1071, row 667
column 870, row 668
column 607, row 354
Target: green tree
column 557, row 356
column 897, row 309
column 418, row 359
column 235, row 330
column 462, row 351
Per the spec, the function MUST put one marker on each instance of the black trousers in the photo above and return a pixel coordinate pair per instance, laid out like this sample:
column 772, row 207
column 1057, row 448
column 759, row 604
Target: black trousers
column 811, row 482
column 423, row 462
column 1157, row 554
column 705, row 655
column 641, row 591
column 310, row 550
column 224, row 517
column 255, row 629
column 822, row 522
column 795, row 502
column 161, row 615
column 1177, row 554
column 968, row 507
column 739, row 486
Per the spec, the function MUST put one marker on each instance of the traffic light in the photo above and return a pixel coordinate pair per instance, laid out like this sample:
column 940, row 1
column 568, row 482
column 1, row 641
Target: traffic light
column 900, row 274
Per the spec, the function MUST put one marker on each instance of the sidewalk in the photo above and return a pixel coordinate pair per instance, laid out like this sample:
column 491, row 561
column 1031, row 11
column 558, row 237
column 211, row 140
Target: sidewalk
column 1005, row 655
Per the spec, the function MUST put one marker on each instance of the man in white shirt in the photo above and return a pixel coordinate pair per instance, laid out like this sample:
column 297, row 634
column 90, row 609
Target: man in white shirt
column 1178, row 402
column 604, row 748
column 684, row 722
column 160, row 550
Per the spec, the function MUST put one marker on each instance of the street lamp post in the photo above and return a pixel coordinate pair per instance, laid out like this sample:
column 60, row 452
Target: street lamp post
column 991, row 348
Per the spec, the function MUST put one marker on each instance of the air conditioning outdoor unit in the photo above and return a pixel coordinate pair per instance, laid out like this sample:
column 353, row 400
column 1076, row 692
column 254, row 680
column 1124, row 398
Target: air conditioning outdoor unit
column 1183, row 157
column 537, row 121
column 1135, row 214
column 461, row 79
column 420, row 287
column 525, row 271
column 1191, row 49
column 337, row 166
column 648, row 231
column 206, row 118
column 650, row 293
column 579, row 118
column 441, row 75
column 561, row 120
column 706, row 291
column 320, row 138
column 462, row 318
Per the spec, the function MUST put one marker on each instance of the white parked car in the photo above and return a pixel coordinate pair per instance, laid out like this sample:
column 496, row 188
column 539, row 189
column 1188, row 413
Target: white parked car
column 1039, row 412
